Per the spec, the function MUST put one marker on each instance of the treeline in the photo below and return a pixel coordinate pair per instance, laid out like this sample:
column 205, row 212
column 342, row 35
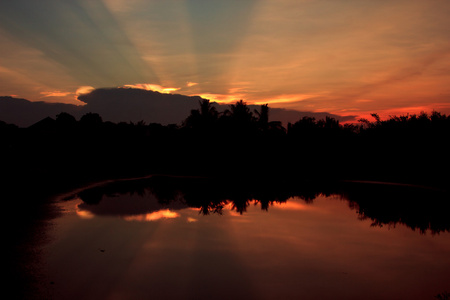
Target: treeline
column 237, row 143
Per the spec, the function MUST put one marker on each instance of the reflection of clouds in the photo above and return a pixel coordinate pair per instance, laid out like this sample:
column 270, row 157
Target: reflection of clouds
column 84, row 214
column 231, row 209
column 139, row 207
column 234, row 213
column 291, row 204
column 294, row 203
column 154, row 216
column 146, row 208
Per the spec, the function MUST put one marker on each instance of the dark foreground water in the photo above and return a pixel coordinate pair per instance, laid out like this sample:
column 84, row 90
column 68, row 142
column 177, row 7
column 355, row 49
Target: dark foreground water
column 151, row 243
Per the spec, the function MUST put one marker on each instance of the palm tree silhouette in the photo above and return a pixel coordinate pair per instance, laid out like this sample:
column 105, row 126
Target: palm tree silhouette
column 203, row 117
column 207, row 111
column 263, row 116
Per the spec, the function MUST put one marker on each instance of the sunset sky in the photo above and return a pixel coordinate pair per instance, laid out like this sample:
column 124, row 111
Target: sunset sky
column 347, row 57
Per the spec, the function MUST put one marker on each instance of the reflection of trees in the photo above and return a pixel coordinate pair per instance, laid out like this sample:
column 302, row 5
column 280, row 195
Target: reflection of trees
column 207, row 195
column 386, row 205
column 94, row 195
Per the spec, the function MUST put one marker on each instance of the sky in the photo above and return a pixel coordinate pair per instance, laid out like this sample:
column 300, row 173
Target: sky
column 347, row 57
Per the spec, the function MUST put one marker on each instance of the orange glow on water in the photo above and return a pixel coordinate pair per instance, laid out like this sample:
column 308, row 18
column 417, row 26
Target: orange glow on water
column 318, row 243
column 154, row 216
column 291, row 204
column 84, row 214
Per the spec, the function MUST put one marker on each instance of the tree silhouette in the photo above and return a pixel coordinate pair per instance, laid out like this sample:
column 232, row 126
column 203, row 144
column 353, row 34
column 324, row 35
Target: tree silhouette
column 206, row 116
column 65, row 119
column 241, row 142
column 91, row 120
column 240, row 113
column 208, row 111
column 263, row 117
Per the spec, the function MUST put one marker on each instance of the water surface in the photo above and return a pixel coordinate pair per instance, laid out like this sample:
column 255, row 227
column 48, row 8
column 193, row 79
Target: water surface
column 148, row 242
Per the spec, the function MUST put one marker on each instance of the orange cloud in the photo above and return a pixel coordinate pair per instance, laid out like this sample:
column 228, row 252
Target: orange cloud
column 84, row 90
column 55, row 94
column 387, row 113
column 220, row 98
column 152, row 87
column 285, row 99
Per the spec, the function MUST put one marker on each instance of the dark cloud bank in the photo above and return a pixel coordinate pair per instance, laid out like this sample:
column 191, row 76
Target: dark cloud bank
column 125, row 105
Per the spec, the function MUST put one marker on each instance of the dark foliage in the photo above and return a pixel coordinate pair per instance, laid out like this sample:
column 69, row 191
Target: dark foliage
column 238, row 143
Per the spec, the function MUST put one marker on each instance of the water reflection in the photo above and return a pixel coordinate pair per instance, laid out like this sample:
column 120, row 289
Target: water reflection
column 161, row 197
column 418, row 208
column 191, row 238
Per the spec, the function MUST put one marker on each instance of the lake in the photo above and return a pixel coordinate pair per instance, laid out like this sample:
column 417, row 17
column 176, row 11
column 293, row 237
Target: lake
column 177, row 238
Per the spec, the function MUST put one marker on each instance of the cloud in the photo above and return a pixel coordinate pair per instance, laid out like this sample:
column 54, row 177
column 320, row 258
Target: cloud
column 337, row 52
column 190, row 84
column 82, row 90
column 24, row 113
column 152, row 87
column 222, row 98
column 283, row 99
column 129, row 104
column 55, row 94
